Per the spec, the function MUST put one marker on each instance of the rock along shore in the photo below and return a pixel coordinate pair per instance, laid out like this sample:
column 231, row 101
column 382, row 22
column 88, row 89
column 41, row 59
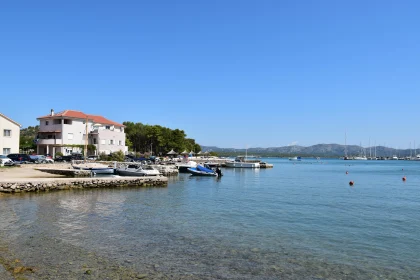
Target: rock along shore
column 50, row 184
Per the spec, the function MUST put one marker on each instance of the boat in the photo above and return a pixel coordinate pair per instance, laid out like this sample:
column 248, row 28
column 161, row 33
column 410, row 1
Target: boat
column 362, row 155
column 137, row 170
column 201, row 171
column 95, row 168
column 243, row 162
column 183, row 167
column 295, row 158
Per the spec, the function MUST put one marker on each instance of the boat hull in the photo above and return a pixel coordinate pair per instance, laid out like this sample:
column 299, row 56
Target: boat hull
column 141, row 173
column 183, row 169
column 243, row 164
column 97, row 170
column 195, row 172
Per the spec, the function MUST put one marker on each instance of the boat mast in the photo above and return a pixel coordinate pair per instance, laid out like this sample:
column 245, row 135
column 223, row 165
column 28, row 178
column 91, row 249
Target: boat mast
column 370, row 149
column 375, row 149
column 345, row 144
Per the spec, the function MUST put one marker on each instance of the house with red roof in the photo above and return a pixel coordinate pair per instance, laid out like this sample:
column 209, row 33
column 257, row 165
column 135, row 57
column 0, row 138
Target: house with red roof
column 68, row 131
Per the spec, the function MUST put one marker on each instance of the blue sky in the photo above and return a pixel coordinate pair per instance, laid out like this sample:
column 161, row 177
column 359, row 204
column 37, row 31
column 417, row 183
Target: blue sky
column 231, row 73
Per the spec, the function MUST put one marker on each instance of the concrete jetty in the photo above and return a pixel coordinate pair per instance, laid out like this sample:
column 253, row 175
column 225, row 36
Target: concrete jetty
column 44, row 184
column 30, row 179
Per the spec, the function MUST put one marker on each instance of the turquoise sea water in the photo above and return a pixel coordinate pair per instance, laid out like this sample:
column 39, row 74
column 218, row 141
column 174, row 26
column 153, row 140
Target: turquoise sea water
column 300, row 220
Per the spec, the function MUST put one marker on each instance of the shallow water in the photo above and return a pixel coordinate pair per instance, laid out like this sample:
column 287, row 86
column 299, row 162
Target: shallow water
column 300, row 220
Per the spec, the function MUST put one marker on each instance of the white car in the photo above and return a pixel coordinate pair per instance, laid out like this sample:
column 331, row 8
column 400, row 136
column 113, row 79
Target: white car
column 44, row 159
column 5, row 160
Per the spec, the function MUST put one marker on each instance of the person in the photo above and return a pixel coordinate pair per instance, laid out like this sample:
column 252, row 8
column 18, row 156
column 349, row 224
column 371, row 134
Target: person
column 219, row 172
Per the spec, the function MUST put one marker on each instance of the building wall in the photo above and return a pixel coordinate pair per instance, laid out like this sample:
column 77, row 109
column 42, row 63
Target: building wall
column 11, row 141
column 115, row 135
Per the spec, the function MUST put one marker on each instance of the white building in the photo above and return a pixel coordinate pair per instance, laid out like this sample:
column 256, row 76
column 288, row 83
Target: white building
column 65, row 132
column 10, row 136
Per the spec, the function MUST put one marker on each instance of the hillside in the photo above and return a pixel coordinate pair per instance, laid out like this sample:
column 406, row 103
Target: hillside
column 321, row 150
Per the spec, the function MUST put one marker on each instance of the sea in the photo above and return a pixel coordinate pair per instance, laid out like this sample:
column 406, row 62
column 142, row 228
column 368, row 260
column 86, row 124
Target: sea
column 298, row 220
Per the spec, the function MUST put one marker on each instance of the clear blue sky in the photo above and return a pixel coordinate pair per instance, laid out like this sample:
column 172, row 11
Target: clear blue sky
column 231, row 73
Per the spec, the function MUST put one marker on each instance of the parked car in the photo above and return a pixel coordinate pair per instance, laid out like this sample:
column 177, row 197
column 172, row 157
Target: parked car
column 5, row 160
column 68, row 158
column 20, row 158
column 44, row 159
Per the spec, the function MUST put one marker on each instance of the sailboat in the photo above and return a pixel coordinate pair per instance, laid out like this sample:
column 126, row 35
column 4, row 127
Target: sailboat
column 345, row 147
column 362, row 155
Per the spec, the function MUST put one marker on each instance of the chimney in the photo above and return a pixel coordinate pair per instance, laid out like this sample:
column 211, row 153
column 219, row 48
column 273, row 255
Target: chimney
column 52, row 112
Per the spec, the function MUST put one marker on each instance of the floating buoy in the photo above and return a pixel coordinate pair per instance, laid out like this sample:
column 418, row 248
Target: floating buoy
column 351, row 183
column 347, row 172
column 404, row 178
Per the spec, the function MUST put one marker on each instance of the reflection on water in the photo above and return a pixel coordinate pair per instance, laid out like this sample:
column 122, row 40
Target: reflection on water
column 296, row 221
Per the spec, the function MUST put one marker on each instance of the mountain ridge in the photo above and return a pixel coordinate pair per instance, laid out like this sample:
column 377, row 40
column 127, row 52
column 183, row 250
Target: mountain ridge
column 326, row 150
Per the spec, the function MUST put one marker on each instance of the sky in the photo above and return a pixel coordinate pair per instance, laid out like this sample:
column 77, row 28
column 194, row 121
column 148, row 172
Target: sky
column 230, row 73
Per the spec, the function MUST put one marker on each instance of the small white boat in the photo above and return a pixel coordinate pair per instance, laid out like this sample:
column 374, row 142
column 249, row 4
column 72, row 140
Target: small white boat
column 295, row 158
column 137, row 170
column 243, row 162
column 95, row 168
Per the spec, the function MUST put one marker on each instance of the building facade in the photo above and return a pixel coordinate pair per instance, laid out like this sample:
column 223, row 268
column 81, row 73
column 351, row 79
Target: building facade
column 9, row 135
column 65, row 132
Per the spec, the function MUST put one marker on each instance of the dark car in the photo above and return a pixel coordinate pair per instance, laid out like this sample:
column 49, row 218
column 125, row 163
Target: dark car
column 21, row 158
column 68, row 158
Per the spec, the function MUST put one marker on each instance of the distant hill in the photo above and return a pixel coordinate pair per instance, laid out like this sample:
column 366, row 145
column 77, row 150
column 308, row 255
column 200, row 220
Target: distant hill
column 319, row 150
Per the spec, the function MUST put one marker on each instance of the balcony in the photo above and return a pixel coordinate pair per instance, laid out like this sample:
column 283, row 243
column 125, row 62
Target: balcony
column 49, row 142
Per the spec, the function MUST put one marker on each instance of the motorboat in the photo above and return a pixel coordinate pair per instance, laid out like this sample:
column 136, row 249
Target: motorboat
column 95, row 168
column 243, row 162
column 183, row 166
column 137, row 170
column 295, row 158
column 201, row 171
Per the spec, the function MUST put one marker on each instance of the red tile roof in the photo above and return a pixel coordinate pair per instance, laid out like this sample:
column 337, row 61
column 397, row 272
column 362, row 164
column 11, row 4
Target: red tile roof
column 81, row 115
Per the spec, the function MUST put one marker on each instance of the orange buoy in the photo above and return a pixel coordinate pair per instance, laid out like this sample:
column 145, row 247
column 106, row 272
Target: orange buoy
column 347, row 172
column 351, row 183
column 404, row 178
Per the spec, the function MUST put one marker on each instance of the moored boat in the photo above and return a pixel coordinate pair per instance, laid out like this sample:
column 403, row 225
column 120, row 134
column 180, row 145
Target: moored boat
column 183, row 167
column 243, row 162
column 95, row 168
column 137, row 170
column 201, row 171
column 295, row 158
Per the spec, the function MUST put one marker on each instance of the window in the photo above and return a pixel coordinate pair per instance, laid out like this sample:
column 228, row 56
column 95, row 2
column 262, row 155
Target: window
column 6, row 151
column 94, row 140
column 57, row 122
column 50, row 136
column 111, row 142
column 70, row 136
column 46, row 122
column 121, row 129
column 7, row 133
column 67, row 121
column 107, row 127
column 103, row 142
column 120, row 143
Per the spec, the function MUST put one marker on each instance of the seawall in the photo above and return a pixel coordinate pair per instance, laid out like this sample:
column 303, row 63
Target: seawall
column 51, row 184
